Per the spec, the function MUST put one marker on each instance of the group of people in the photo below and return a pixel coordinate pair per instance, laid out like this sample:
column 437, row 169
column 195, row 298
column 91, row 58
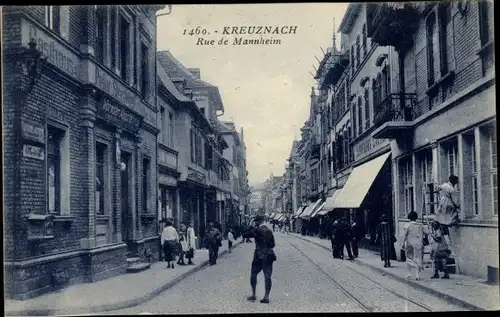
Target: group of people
column 282, row 227
column 417, row 235
column 343, row 235
column 178, row 244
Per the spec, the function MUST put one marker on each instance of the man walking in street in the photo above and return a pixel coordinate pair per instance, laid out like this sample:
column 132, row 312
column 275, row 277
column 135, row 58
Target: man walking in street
column 263, row 257
column 212, row 239
column 344, row 233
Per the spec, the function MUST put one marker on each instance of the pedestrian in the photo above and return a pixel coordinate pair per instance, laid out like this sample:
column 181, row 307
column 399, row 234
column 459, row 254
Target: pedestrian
column 170, row 240
column 414, row 235
column 333, row 239
column 191, row 243
column 247, row 234
column 218, row 226
column 211, row 242
column 274, row 226
column 182, row 244
column 386, row 239
column 344, row 239
column 355, row 237
column 230, row 239
column 441, row 251
column 263, row 257
column 447, row 211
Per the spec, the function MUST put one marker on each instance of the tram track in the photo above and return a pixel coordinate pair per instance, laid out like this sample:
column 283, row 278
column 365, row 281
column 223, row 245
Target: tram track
column 364, row 305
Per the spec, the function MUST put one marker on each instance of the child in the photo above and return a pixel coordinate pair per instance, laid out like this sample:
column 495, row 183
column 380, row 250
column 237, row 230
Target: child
column 440, row 250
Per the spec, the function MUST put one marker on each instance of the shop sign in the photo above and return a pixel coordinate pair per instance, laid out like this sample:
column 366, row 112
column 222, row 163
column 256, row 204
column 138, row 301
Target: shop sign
column 34, row 152
column 55, row 52
column 115, row 89
column 167, row 180
column 197, row 177
column 32, row 132
column 367, row 146
column 119, row 116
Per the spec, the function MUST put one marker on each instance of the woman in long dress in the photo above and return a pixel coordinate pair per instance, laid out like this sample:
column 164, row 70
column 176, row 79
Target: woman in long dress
column 170, row 240
column 182, row 244
column 414, row 235
column 191, row 243
column 386, row 239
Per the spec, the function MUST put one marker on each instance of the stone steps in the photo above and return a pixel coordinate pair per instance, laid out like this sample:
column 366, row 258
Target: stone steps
column 138, row 267
column 135, row 265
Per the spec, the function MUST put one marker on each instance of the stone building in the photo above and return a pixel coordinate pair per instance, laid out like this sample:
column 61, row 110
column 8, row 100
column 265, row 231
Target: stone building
column 442, row 121
column 79, row 143
column 205, row 175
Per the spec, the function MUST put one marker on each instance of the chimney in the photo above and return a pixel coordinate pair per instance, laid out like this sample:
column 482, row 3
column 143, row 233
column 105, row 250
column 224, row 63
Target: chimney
column 195, row 72
column 242, row 134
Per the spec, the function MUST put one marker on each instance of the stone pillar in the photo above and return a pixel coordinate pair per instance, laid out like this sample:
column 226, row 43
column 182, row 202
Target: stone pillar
column 87, row 115
column 435, row 162
column 116, row 48
column 117, row 177
column 88, row 39
column 461, row 175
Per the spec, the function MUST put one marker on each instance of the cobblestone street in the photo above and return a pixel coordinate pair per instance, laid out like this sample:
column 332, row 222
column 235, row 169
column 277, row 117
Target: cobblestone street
column 305, row 279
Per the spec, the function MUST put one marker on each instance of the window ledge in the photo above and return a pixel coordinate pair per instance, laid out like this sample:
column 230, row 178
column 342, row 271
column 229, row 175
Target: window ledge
column 444, row 79
column 64, row 218
column 40, row 238
column 485, row 49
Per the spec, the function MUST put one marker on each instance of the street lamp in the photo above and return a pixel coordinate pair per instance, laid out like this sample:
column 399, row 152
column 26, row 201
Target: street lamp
column 31, row 62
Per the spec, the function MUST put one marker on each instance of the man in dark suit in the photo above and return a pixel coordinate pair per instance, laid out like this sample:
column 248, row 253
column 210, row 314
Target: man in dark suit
column 263, row 257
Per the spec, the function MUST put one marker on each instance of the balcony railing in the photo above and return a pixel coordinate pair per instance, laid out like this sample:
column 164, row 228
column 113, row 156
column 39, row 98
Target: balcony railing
column 392, row 23
column 394, row 114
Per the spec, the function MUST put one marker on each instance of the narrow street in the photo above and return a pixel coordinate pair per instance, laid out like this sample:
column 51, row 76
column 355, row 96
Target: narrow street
column 305, row 279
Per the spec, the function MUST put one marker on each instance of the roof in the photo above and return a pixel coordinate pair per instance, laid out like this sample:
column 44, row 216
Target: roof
column 349, row 17
column 169, row 85
column 175, row 69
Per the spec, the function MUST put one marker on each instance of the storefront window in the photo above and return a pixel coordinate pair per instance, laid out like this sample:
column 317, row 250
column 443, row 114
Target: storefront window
column 427, row 180
column 407, row 169
column 451, row 152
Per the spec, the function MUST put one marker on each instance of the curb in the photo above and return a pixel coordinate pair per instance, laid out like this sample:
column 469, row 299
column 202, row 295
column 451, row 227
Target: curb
column 120, row 305
column 444, row 296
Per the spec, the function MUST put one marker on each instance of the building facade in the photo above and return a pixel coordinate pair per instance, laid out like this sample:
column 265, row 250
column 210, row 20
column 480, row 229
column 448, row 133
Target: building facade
column 443, row 121
column 80, row 143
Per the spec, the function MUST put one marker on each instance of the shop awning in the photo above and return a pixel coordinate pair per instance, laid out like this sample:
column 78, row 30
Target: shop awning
column 329, row 203
column 310, row 209
column 316, row 211
column 299, row 211
column 281, row 217
column 271, row 215
column 276, row 215
column 359, row 182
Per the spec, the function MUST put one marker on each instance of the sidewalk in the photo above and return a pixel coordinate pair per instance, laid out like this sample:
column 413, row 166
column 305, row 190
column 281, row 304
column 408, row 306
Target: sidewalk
column 119, row 292
column 467, row 291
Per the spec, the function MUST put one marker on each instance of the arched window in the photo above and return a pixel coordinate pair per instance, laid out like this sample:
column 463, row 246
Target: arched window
column 358, row 52
column 354, row 122
column 360, row 115
column 378, row 88
column 367, row 109
column 365, row 44
column 386, row 75
column 353, row 62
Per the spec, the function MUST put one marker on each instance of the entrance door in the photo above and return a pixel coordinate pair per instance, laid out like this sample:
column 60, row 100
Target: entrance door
column 125, row 202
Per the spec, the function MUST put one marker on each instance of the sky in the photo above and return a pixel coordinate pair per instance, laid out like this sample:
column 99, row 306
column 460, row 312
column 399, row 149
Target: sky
column 265, row 88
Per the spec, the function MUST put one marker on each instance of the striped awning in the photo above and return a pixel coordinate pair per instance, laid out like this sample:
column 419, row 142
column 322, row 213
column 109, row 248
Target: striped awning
column 271, row 215
column 329, row 203
column 299, row 211
column 310, row 209
column 316, row 211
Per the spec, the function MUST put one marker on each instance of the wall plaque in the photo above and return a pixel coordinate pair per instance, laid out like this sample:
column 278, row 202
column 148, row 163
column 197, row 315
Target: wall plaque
column 197, row 177
column 367, row 146
column 32, row 132
column 119, row 116
column 34, row 152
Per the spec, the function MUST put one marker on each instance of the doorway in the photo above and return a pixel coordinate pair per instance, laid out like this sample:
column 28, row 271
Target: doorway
column 125, row 198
